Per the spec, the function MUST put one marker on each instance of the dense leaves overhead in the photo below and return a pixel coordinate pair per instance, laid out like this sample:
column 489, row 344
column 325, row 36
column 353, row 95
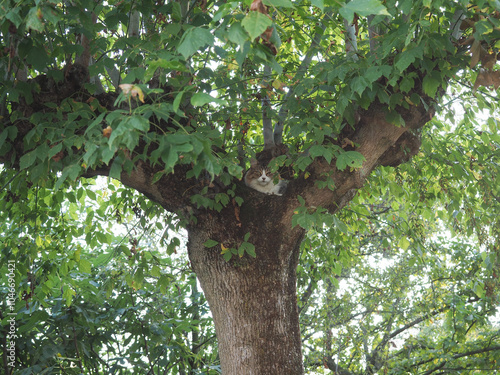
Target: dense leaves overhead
column 188, row 61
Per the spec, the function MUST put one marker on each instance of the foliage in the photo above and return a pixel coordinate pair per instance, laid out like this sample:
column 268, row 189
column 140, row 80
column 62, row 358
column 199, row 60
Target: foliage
column 416, row 290
column 172, row 57
column 182, row 86
column 97, row 292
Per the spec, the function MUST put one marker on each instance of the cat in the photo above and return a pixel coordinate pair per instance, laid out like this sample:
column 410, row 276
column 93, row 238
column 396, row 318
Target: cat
column 260, row 178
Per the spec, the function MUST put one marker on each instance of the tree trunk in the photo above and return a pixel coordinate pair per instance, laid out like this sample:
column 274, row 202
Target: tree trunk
column 253, row 301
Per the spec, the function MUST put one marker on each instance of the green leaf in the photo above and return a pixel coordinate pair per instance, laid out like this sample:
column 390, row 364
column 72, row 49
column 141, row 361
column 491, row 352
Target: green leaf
column 362, row 8
column 155, row 271
column 116, row 169
column 320, row 150
column 140, row 123
column 318, row 3
column 85, row 266
column 71, row 171
column 227, row 256
column 165, row 64
column 241, row 250
column 237, row 34
column 256, row 23
column 210, row 243
column 49, row 14
column 373, row 73
column 235, row 170
column 170, row 157
column 27, row 159
column 14, row 17
column 404, row 243
column 352, row 159
column 200, row 99
column 479, row 289
column 33, row 20
column 279, row 3
column 54, row 150
column 359, row 84
column 407, row 57
column 431, row 83
column 340, row 225
column 68, row 294
column 250, row 249
column 337, row 269
column 194, row 39
column 177, row 101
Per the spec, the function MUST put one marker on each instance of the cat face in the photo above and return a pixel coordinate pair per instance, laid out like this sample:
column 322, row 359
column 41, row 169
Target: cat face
column 260, row 178
column 261, row 175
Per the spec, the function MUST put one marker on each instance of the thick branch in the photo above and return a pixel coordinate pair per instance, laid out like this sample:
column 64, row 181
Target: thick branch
column 306, row 295
column 170, row 192
column 134, row 23
column 84, row 58
column 456, row 22
column 267, row 125
column 351, row 42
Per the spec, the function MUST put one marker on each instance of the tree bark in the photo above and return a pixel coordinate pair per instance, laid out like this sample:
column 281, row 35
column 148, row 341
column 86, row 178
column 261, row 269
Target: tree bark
column 253, row 301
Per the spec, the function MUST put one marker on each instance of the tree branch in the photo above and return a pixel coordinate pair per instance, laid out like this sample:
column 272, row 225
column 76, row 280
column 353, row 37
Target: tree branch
column 461, row 355
column 306, row 295
column 84, row 58
column 267, row 126
column 333, row 366
column 416, row 321
column 456, row 32
column 134, row 23
column 351, row 42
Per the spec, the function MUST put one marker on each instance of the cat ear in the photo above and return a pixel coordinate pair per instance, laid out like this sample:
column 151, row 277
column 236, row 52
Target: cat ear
column 253, row 162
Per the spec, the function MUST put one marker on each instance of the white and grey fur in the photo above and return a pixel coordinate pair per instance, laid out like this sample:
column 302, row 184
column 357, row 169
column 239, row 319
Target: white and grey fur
column 260, row 178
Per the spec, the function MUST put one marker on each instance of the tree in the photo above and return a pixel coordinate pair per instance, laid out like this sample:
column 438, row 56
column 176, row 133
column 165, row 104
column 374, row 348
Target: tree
column 173, row 99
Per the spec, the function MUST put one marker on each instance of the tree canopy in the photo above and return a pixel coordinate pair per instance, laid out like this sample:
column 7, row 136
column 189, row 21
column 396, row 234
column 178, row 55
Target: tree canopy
column 383, row 117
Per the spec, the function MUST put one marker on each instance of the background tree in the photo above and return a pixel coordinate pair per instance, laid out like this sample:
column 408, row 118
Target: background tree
column 347, row 86
column 418, row 291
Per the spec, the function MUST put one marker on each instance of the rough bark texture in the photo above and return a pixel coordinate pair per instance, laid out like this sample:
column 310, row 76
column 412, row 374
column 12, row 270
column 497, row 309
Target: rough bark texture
column 253, row 301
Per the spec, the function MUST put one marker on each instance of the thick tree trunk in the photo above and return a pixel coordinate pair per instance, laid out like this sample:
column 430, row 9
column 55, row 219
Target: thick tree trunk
column 253, row 301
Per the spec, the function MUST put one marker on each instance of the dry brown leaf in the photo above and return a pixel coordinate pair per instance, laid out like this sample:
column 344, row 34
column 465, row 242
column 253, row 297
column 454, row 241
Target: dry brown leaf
column 487, row 78
column 258, row 7
column 475, row 51
column 132, row 90
column 347, row 142
column 467, row 42
column 266, row 35
column 489, row 60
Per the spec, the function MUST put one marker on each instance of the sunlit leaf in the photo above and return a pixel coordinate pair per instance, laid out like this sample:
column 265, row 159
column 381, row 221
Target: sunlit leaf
column 194, row 39
column 256, row 23
column 362, row 8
